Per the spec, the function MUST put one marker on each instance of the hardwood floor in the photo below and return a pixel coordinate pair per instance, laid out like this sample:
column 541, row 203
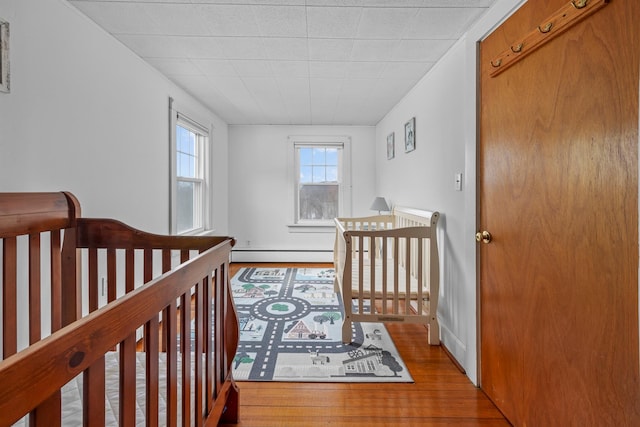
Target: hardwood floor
column 440, row 396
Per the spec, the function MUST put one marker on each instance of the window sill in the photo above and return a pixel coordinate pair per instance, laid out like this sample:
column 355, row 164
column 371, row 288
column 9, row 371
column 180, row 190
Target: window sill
column 311, row 228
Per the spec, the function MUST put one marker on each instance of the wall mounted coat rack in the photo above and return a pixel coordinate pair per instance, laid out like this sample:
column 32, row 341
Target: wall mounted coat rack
column 566, row 17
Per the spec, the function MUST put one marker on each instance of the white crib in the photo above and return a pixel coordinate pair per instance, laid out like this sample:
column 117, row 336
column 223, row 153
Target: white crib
column 391, row 258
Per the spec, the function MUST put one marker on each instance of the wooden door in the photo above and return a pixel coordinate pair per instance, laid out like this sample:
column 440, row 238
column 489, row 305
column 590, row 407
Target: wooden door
column 558, row 191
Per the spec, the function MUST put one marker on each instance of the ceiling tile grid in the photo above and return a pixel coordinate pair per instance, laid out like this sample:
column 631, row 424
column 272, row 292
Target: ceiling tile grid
column 320, row 62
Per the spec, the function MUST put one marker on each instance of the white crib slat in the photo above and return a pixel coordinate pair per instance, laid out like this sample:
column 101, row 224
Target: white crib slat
column 361, row 256
column 407, row 271
column 396, row 273
column 384, row 276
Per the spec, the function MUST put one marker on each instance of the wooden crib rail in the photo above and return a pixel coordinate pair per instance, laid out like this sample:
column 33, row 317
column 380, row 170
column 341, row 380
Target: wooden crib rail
column 152, row 282
column 112, row 234
column 32, row 375
column 29, row 213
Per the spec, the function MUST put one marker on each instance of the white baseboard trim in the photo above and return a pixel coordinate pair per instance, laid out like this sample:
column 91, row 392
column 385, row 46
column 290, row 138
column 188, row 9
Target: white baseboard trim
column 456, row 347
column 275, row 255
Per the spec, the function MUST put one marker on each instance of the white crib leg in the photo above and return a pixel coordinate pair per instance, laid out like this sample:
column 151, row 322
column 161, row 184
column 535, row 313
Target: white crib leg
column 434, row 331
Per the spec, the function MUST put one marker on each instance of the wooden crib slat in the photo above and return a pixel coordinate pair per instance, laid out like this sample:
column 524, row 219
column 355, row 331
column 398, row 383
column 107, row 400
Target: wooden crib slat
column 35, row 320
column 207, row 344
column 111, row 275
column 127, row 379
column 218, row 303
column 48, row 413
column 420, row 277
column 169, row 317
column 198, row 352
column 129, row 274
column 93, row 394
column 92, row 261
column 9, row 297
column 185, row 352
column 56, row 281
column 151, row 334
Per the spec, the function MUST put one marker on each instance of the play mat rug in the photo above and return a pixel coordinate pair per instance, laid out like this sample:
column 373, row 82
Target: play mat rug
column 291, row 330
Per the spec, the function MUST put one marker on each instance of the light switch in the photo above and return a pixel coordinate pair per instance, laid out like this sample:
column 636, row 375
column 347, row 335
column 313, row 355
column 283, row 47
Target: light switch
column 458, row 182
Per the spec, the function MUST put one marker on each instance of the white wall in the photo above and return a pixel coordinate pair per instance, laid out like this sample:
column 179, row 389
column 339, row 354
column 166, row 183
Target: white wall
column 87, row 115
column 259, row 190
column 444, row 105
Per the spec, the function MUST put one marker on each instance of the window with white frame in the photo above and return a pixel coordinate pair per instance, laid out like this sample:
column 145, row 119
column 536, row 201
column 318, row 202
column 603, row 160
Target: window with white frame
column 321, row 180
column 189, row 201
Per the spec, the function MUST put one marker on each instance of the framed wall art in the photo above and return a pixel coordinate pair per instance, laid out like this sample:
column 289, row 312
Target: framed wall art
column 410, row 135
column 391, row 146
column 4, row 56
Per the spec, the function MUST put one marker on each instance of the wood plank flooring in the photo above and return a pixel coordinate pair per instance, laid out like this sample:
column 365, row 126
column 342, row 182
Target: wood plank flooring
column 440, row 396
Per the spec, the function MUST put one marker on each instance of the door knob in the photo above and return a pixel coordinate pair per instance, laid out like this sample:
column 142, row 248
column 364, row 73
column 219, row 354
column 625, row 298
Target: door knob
column 484, row 236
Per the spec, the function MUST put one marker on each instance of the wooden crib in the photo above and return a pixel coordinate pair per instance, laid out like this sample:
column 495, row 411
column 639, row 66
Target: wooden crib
column 393, row 259
column 95, row 306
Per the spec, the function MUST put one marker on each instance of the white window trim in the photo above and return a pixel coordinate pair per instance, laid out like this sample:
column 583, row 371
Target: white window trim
column 292, row 196
column 175, row 118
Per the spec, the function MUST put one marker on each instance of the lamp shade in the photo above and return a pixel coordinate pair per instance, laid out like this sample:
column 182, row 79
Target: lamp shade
column 379, row 204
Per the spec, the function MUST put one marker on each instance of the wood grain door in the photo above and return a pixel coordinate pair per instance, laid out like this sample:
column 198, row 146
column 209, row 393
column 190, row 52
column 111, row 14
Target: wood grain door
column 558, row 191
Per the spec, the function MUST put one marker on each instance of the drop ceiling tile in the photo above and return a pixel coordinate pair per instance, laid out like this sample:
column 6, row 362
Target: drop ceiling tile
column 442, row 23
column 341, row 3
column 426, row 3
column 177, row 19
column 384, row 23
column 229, row 20
column 203, row 47
column 328, row 69
column 373, row 50
column 333, row 22
column 294, row 90
column 118, row 18
column 290, row 69
column 330, row 49
column 421, row 50
column 406, row 70
column 252, row 68
column 281, row 21
column 154, row 46
column 169, row 66
column 242, row 47
column 234, row 89
column 287, row 48
column 358, row 89
column 363, row 55
column 365, row 70
column 215, row 67
column 325, row 88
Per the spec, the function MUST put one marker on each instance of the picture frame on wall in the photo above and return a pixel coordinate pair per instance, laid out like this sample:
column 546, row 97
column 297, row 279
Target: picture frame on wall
column 391, row 146
column 410, row 135
column 4, row 56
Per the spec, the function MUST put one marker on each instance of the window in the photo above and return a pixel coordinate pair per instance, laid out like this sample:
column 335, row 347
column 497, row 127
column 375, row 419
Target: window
column 189, row 201
column 321, row 181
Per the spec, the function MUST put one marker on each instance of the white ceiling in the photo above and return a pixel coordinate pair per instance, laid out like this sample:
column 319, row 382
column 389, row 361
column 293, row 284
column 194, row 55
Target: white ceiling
column 320, row 62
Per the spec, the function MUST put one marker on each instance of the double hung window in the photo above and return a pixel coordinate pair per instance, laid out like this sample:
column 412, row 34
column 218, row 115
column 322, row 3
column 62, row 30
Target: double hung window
column 189, row 180
column 321, row 189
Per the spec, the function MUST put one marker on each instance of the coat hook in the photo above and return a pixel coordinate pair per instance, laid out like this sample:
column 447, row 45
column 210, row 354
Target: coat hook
column 546, row 28
column 579, row 4
column 497, row 64
column 517, row 48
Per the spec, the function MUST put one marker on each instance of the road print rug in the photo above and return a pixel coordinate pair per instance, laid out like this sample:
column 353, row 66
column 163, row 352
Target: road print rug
column 291, row 330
